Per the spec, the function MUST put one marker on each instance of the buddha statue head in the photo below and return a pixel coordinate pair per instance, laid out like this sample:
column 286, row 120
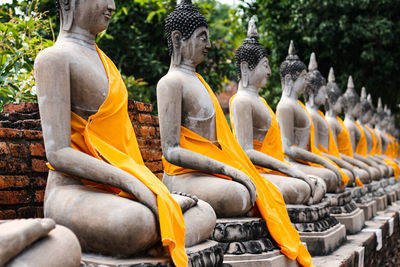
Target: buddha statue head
column 187, row 35
column 85, row 16
column 381, row 115
column 365, row 109
column 374, row 114
column 293, row 73
column 334, row 95
column 315, row 91
column 351, row 100
column 251, row 60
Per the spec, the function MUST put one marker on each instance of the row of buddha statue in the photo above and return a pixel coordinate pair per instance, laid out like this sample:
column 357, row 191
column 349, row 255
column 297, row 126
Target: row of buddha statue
column 295, row 171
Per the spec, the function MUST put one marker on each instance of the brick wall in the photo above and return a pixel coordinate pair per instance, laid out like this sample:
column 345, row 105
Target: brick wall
column 23, row 172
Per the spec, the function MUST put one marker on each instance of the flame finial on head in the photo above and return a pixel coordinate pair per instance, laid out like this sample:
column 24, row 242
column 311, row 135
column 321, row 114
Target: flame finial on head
column 292, row 49
column 252, row 29
column 331, row 76
column 313, row 65
column 350, row 83
column 369, row 98
column 363, row 93
column 379, row 108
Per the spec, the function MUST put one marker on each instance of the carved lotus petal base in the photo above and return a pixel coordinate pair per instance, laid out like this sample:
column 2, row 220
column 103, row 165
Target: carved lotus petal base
column 317, row 226
column 243, row 235
column 208, row 253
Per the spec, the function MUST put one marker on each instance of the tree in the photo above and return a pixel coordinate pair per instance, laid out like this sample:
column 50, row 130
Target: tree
column 356, row 37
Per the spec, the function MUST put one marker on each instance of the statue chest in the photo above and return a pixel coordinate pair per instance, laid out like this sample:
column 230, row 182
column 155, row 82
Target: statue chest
column 261, row 121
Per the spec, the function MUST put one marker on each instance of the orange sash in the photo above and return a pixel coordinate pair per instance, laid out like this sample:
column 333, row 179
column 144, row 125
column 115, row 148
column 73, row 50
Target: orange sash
column 374, row 141
column 379, row 145
column 272, row 144
column 269, row 201
column 344, row 140
column 314, row 149
column 109, row 136
column 362, row 146
column 333, row 149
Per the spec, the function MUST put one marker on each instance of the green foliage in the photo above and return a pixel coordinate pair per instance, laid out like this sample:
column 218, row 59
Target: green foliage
column 356, row 37
column 21, row 31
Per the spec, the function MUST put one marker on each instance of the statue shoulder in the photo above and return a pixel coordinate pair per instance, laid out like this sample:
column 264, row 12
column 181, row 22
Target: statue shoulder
column 242, row 102
column 51, row 58
column 170, row 82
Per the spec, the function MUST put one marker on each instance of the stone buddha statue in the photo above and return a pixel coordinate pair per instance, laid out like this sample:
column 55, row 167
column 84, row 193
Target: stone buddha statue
column 315, row 96
column 295, row 125
column 201, row 155
column 98, row 185
column 333, row 106
column 352, row 106
column 25, row 242
column 364, row 117
column 257, row 131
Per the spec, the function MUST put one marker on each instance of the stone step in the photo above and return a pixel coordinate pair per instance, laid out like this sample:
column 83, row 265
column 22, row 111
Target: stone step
column 353, row 221
column 268, row 259
column 368, row 208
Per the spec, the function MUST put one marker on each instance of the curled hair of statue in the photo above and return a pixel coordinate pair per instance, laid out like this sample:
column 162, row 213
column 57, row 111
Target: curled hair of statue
column 292, row 64
column 315, row 80
column 350, row 97
column 185, row 19
column 332, row 90
column 251, row 51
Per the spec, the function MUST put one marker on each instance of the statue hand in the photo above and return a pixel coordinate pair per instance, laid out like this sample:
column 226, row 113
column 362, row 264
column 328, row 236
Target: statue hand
column 318, row 189
column 185, row 201
column 242, row 178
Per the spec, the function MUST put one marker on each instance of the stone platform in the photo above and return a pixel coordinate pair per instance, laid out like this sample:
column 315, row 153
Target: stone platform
column 381, row 203
column 208, row 253
column 345, row 210
column 369, row 209
column 246, row 242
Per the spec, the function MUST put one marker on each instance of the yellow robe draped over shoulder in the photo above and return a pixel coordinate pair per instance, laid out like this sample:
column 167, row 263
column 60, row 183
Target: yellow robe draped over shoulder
column 362, row 146
column 344, row 140
column 269, row 200
column 272, row 143
column 108, row 135
column 333, row 148
column 314, row 149
column 374, row 141
column 390, row 152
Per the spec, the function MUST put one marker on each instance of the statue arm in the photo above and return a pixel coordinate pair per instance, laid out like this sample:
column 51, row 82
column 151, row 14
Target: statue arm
column 287, row 129
column 366, row 160
column 52, row 75
column 169, row 101
column 341, row 163
column 243, row 119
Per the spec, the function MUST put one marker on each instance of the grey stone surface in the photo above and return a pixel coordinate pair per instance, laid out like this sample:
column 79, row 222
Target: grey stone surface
column 381, row 202
column 269, row 259
column 208, row 254
column 353, row 221
column 325, row 242
column 369, row 209
column 309, row 213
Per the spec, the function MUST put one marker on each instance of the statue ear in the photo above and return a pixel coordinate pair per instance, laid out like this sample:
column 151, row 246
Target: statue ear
column 244, row 69
column 67, row 11
column 176, row 37
column 288, row 83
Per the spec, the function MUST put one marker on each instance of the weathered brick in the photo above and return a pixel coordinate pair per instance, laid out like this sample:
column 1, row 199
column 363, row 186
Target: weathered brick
column 7, row 214
column 31, row 124
column 154, row 166
column 39, row 196
column 159, row 175
column 39, row 212
column 3, row 148
column 37, row 149
column 155, row 120
column 33, row 135
column 26, row 212
column 23, row 107
column 39, row 182
column 144, row 107
column 144, row 118
column 14, row 197
column 11, row 133
column 149, row 155
column 39, row 165
column 147, row 131
column 10, row 181
column 13, row 167
column 18, row 150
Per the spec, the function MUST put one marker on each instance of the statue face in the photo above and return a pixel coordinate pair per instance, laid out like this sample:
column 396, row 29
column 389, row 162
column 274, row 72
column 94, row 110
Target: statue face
column 366, row 117
column 93, row 15
column 337, row 107
column 299, row 84
column 196, row 47
column 320, row 98
column 374, row 118
column 355, row 111
column 258, row 77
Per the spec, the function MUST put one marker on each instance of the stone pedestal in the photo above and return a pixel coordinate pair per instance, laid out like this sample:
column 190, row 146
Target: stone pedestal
column 246, row 242
column 381, row 203
column 369, row 209
column 344, row 209
column 363, row 200
column 376, row 191
column 321, row 232
column 208, row 253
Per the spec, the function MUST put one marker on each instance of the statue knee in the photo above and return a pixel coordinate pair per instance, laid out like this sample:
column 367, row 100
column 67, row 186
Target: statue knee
column 235, row 201
column 199, row 223
column 330, row 179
